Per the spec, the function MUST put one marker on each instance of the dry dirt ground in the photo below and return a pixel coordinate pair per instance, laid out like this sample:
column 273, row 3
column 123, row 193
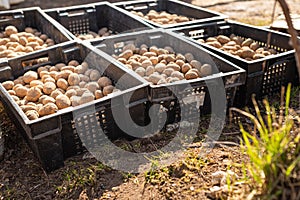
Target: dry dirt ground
column 21, row 176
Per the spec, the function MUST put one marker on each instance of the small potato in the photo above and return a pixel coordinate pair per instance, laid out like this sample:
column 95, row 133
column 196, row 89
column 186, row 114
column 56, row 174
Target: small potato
column 247, row 53
column 146, row 63
column 143, row 50
column 80, row 91
column 48, row 109
column 8, row 85
column 128, row 46
column 74, row 79
column 30, row 76
column 186, row 67
column 258, row 56
column 180, row 62
column 70, row 93
column 206, row 70
column 10, row 30
column 75, row 87
column 33, row 94
column 196, row 64
column 14, row 38
column 92, row 86
column 247, row 42
column 174, row 66
column 32, row 114
column 11, row 92
column 94, row 75
column 19, row 80
column 149, row 70
column 84, row 78
column 160, row 67
column 107, row 90
column 55, row 93
column 44, row 37
column 63, row 74
column 169, row 49
column 154, row 60
column 71, row 68
column 126, row 54
column 47, row 99
column 191, row 75
column 150, row 54
column 60, row 65
column 177, row 74
column 73, row 63
column 162, row 81
column 223, row 39
column 189, row 57
column 29, row 30
column 170, row 58
column 82, row 84
column 62, row 83
column 140, row 71
column 27, row 107
column 62, row 101
column 215, row 44
column 154, row 78
column 98, row 94
column 104, row 81
column 168, row 71
column 172, row 79
column 75, row 100
column 86, row 97
column 21, row 91
column 49, row 87
column 254, row 46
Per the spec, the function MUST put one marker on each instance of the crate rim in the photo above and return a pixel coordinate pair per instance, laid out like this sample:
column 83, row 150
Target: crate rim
column 59, row 113
column 219, row 17
column 229, row 22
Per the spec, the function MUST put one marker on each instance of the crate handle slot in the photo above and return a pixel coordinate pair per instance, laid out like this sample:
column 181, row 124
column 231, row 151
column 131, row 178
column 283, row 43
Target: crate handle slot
column 197, row 33
column 224, row 27
column 5, row 73
column 78, row 12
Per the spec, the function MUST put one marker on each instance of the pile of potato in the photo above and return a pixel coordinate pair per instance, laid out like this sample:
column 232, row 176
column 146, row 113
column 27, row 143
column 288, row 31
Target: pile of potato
column 14, row 43
column 237, row 46
column 51, row 88
column 162, row 65
column 103, row 32
column 162, row 17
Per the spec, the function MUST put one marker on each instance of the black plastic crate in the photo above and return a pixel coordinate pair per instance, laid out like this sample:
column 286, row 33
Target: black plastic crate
column 198, row 14
column 167, row 95
column 33, row 17
column 55, row 137
column 91, row 17
column 265, row 76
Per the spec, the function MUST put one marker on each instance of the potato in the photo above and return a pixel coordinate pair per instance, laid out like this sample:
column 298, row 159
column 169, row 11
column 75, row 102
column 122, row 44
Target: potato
column 247, row 53
column 82, row 84
column 160, row 67
column 71, row 68
column 84, row 78
column 10, row 30
column 150, row 54
column 75, row 87
column 146, row 63
column 8, row 85
column 191, row 75
column 80, row 91
column 48, row 109
column 29, row 30
column 26, row 108
column 63, row 74
column 196, row 64
column 70, row 93
column 154, row 78
column 62, row 101
column 174, row 66
column 62, row 83
column 75, row 100
column 107, row 90
column 154, row 60
column 258, row 56
column 94, row 75
column 32, row 114
column 33, row 94
column 177, row 74
column 189, row 57
column 254, row 46
column 126, row 47
column 247, row 42
column 140, row 71
column 186, row 67
column 172, row 79
column 149, row 70
column 126, row 54
column 92, row 86
column 73, row 63
column 21, row 91
column 168, row 71
column 223, row 39
column 215, row 44
column 11, row 92
column 60, row 65
column 104, row 81
column 30, row 76
column 206, row 70
column 74, row 79
column 46, row 99
column 49, row 79
column 86, row 97
column 55, row 93
column 98, row 94
column 162, row 81
column 170, row 58
column 49, row 87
